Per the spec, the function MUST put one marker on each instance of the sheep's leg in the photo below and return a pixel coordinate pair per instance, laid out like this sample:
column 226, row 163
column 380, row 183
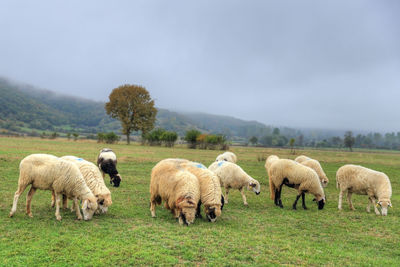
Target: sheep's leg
column 153, row 208
column 369, row 204
column 279, row 197
column 198, row 210
column 65, row 202
column 349, row 200
column 226, row 195
column 303, row 199
column 20, row 190
column 53, row 199
column 375, row 208
column 340, row 199
column 58, row 202
column 295, row 202
column 243, row 196
column 29, row 201
column 78, row 211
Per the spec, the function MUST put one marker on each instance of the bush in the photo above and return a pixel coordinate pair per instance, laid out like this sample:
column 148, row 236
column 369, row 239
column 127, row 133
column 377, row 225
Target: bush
column 154, row 137
column 109, row 138
column 191, row 137
column 169, row 138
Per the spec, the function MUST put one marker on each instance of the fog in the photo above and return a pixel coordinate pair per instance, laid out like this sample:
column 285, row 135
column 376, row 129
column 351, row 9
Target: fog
column 318, row 64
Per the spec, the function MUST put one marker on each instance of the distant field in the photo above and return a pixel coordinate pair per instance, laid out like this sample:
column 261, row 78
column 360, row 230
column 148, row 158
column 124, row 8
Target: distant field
column 260, row 234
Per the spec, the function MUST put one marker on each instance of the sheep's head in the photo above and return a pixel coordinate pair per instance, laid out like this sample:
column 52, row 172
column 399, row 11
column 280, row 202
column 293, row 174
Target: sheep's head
column 384, row 204
column 103, row 201
column 212, row 212
column 89, row 206
column 116, row 180
column 254, row 185
column 324, row 181
column 320, row 201
column 186, row 208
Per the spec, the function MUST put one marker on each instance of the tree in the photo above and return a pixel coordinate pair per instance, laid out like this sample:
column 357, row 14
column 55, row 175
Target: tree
column 349, row 140
column 75, row 135
column 291, row 143
column 133, row 106
column 253, row 140
column 191, row 137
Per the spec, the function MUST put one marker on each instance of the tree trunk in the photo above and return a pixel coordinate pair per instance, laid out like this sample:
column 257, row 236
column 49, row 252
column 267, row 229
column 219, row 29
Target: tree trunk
column 127, row 139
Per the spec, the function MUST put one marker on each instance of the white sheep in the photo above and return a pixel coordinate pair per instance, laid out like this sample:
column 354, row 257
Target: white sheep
column 107, row 162
column 292, row 174
column 363, row 181
column 47, row 172
column 232, row 176
column 227, row 156
column 269, row 161
column 316, row 166
column 94, row 181
column 179, row 189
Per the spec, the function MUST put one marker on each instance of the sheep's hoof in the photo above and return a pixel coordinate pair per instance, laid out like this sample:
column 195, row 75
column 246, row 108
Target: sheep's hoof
column 30, row 215
column 377, row 213
column 79, row 218
column 305, row 208
column 352, row 208
column 294, row 207
column 58, row 218
column 10, row 215
column 246, row 204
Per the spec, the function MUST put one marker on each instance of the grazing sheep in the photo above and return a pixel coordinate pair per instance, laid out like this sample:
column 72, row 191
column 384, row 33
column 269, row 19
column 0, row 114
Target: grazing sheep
column 94, row 181
column 179, row 189
column 316, row 166
column 301, row 158
column 292, row 174
column 47, row 172
column 232, row 176
column 227, row 156
column 210, row 189
column 363, row 181
column 107, row 162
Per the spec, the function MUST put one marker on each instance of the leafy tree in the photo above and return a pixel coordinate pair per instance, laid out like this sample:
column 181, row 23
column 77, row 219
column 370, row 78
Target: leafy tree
column 75, row 135
column 291, row 143
column 133, row 106
column 169, row 138
column 154, row 137
column 276, row 131
column 253, row 140
column 191, row 137
column 349, row 140
column 69, row 136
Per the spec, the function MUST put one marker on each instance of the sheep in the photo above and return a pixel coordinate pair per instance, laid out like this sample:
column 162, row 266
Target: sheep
column 227, row 156
column 301, row 158
column 292, row 174
column 316, row 166
column 210, row 189
column 179, row 189
column 95, row 182
column 47, row 172
column 363, row 181
column 107, row 162
column 232, row 176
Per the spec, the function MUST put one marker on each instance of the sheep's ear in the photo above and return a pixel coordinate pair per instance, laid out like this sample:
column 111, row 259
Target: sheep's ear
column 390, row 204
column 252, row 184
column 314, row 199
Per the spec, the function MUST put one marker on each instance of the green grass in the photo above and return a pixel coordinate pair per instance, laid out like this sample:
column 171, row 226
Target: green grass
column 260, row 234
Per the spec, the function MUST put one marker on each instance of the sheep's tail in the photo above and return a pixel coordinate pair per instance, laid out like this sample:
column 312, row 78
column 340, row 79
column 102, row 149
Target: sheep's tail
column 271, row 189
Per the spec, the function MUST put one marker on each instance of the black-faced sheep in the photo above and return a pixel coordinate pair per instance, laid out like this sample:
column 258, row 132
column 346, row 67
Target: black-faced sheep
column 47, row 172
column 363, row 181
column 292, row 174
column 179, row 189
column 227, row 156
column 231, row 176
column 107, row 162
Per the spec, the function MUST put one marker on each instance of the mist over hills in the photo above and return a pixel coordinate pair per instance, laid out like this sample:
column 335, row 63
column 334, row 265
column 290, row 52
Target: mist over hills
column 25, row 108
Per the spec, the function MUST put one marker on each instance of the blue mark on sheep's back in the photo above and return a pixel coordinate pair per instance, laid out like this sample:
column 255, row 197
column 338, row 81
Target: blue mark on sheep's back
column 200, row 166
column 79, row 159
column 220, row 163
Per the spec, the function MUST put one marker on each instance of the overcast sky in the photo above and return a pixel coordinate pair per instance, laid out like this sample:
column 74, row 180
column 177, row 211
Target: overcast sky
column 320, row 64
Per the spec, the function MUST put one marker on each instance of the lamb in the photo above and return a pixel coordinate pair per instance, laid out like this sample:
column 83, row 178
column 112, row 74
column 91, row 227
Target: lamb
column 232, row 176
column 47, row 172
column 107, row 162
column 292, row 174
column 363, row 181
column 179, row 189
column 316, row 166
column 301, row 158
column 227, row 156
column 94, row 181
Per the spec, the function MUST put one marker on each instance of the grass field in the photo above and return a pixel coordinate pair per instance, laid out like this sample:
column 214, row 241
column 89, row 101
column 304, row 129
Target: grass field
column 260, row 234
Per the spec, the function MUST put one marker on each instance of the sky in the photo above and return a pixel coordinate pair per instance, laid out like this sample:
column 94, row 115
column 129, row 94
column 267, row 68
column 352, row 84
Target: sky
column 312, row 64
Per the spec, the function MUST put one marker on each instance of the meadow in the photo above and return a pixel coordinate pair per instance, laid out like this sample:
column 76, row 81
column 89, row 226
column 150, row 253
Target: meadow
column 260, row 234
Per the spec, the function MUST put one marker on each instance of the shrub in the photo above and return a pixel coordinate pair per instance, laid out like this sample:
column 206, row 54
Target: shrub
column 154, row 137
column 169, row 138
column 191, row 137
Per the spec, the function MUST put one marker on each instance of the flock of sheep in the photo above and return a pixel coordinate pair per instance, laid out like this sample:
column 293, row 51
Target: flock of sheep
column 184, row 185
